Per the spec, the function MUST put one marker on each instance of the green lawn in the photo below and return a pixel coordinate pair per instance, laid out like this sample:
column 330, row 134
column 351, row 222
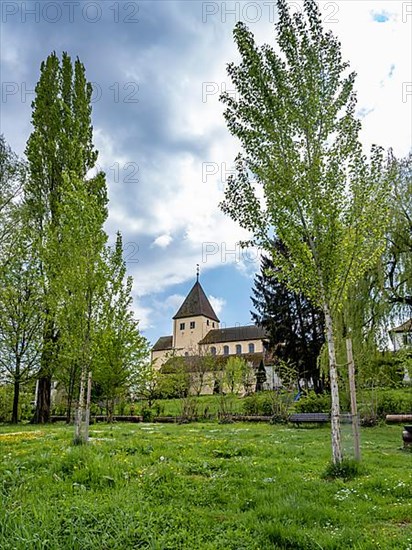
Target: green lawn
column 200, row 486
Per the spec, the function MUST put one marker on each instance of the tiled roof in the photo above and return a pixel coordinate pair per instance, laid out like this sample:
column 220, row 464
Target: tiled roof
column 233, row 334
column 196, row 304
column 164, row 343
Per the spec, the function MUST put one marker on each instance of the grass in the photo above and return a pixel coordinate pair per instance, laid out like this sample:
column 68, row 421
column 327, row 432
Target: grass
column 205, row 405
column 200, row 486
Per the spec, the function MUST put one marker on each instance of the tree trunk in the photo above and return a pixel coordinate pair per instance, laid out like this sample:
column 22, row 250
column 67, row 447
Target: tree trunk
column 69, row 409
column 43, row 402
column 42, row 414
column 353, row 404
column 15, row 413
column 337, row 455
column 87, row 414
column 78, row 434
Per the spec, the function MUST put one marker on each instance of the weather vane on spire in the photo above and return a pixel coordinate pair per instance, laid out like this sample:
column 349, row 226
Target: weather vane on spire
column 197, row 272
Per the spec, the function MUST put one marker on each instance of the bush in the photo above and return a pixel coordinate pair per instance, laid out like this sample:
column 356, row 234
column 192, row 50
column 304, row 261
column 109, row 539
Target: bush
column 313, row 403
column 270, row 403
column 147, row 414
column 251, row 405
column 393, row 402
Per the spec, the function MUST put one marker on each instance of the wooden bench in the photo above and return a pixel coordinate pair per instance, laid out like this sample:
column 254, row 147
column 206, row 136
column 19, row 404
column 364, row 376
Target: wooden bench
column 398, row 418
column 312, row 418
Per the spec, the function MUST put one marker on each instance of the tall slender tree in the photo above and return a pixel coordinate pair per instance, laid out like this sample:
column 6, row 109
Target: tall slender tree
column 61, row 142
column 82, row 279
column 294, row 115
column 120, row 350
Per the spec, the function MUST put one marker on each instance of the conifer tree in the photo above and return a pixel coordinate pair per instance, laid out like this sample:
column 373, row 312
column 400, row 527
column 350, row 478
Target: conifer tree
column 295, row 327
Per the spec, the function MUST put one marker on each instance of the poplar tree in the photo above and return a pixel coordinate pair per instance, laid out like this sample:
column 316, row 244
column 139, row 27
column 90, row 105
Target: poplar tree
column 120, row 351
column 302, row 177
column 61, row 142
column 80, row 287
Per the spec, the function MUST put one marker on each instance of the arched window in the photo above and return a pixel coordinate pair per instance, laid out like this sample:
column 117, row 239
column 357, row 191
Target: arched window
column 238, row 349
column 251, row 348
column 213, row 350
column 225, row 350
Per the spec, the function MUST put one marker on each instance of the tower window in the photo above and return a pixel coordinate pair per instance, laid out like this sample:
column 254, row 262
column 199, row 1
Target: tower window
column 251, row 348
column 238, row 349
column 182, row 326
column 213, row 350
column 192, row 324
column 207, row 322
column 213, row 325
column 225, row 350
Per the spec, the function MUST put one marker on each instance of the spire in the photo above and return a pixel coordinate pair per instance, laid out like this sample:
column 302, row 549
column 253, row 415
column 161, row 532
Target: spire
column 197, row 272
column 196, row 303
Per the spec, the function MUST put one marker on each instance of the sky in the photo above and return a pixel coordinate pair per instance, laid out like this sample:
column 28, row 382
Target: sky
column 157, row 69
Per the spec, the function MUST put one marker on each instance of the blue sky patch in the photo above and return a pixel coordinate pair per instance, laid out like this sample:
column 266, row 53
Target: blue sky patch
column 380, row 17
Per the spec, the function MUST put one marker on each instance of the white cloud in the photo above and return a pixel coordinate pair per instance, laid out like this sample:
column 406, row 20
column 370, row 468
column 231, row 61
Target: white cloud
column 217, row 304
column 173, row 302
column 163, row 241
column 143, row 314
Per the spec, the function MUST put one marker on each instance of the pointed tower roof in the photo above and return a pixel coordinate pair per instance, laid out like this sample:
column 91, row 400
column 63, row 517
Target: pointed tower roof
column 196, row 303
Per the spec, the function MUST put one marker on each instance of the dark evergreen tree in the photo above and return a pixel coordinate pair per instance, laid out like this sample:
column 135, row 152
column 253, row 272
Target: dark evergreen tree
column 295, row 327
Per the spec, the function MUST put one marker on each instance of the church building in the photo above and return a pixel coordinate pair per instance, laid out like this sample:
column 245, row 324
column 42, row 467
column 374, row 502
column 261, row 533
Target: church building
column 197, row 331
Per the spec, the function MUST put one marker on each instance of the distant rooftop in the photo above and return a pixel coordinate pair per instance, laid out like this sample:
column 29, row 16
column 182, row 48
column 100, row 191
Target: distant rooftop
column 233, row 334
column 405, row 327
column 164, row 343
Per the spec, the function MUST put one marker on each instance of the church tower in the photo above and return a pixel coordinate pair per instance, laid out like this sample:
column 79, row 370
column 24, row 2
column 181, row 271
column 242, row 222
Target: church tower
column 193, row 321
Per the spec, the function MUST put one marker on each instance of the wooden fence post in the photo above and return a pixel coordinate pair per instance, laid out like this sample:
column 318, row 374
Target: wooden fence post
column 353, row 405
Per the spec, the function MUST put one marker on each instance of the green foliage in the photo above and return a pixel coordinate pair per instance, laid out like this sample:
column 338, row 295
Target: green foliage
column 25, row 406
column 302, row 177
column 383, row 369
column 6, row 403
column 12, row 177
column 147, row 413
column 235, row 371
column 64, row 209
column 393, row 402
column 120, row 352
column 397, row 259
column 300, row 144
column 174, row 380
column 268, row 403
column 313, row 403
